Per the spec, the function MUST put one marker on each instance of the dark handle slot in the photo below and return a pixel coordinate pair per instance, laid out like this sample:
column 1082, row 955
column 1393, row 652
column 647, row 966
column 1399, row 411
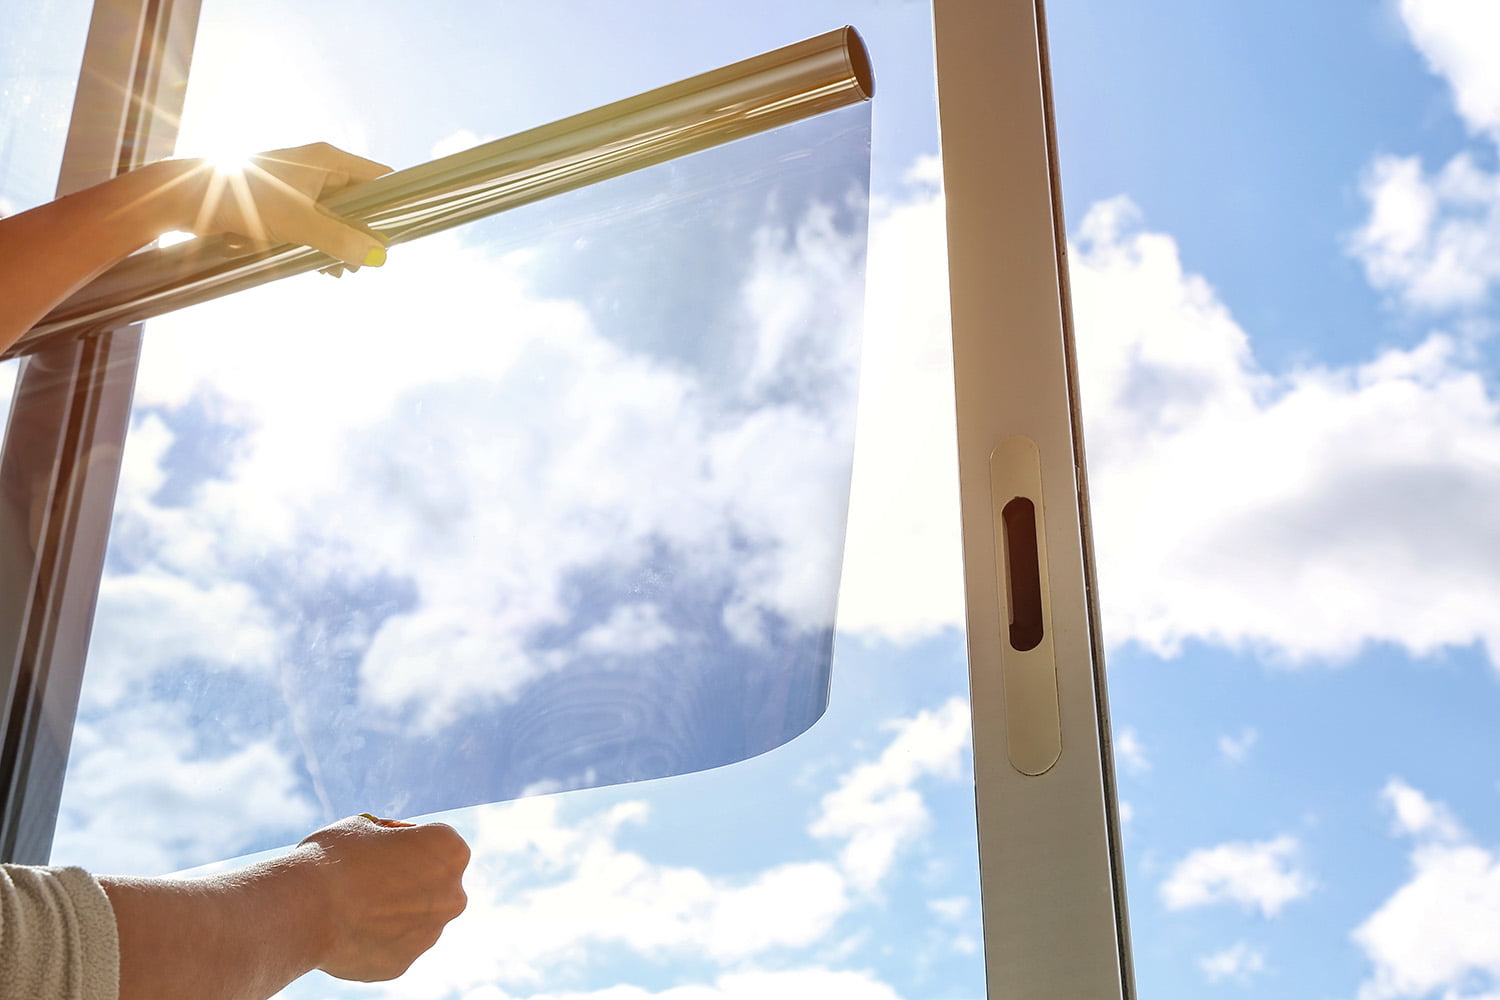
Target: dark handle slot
column 1023, row 580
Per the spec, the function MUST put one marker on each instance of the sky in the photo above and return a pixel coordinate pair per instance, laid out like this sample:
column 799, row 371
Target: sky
column 1282, row 221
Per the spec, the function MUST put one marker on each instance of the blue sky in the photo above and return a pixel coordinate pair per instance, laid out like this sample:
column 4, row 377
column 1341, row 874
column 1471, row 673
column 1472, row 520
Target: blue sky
column 1284, row 220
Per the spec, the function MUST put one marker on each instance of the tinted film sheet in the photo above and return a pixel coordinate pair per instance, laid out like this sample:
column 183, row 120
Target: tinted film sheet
column 550, row 501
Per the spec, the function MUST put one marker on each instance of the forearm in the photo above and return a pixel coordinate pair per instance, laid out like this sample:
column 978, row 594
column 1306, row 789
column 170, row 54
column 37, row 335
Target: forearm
column 239, row 936
column 51, row 251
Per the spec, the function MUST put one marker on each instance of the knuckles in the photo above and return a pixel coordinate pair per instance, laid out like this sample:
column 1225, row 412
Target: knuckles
column 446, row 843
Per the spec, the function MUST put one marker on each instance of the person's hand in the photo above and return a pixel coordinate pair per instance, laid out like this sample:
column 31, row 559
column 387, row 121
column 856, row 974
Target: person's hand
column 273, row 199
column 49, row 252
column 390, row 887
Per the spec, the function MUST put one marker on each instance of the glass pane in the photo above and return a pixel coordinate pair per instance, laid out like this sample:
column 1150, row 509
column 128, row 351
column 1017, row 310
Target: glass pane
column 537, row 505
column 41, row 47
column 842, row 862
column 1280, row 282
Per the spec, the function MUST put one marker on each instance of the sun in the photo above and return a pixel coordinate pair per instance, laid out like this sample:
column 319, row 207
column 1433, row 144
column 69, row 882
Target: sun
column 229, row 161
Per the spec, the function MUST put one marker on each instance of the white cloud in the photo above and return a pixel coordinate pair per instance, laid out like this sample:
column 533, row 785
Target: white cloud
column 1436, row 933
column 1235, row 506
column 789, row 905
column 1131, row 752
column 877, row 808
column 1274, row 512
column 556, row 886
column 1260, row 875
column 630, row 628
column 552, row 889
column 1431, row 240
column 151, row 620
column 141, row 799
column 951, row 908
column 1456, row 37
column 514, row 450
column 1418, row 816
column 1236, row 748
column 1239, row 962
column 1231, row 506
column 442, row 659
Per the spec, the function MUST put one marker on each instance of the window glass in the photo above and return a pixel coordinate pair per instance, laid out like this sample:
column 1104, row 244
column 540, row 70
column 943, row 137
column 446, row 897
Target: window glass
column 1284, row 290
column 585, row 527
column 41, row 47
column 842, row 863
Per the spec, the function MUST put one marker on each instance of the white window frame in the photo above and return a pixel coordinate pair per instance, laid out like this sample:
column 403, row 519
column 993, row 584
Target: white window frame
column 1050, row 866
column 1050, row 863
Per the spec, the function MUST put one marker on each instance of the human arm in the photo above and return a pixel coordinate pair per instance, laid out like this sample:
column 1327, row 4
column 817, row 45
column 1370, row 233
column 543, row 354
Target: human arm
column 360, row 899
column 51, row 251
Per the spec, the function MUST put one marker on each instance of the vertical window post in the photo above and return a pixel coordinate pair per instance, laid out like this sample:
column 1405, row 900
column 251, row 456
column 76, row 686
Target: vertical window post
column 61, row 458
column 1050, row 865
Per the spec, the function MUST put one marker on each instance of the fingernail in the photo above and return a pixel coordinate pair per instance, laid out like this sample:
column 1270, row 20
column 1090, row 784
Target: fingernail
column 372, row 819
column 375, row 257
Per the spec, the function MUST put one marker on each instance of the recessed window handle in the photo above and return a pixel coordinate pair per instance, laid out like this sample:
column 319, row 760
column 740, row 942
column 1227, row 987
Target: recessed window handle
column 1028, row 666
column 1023, row 577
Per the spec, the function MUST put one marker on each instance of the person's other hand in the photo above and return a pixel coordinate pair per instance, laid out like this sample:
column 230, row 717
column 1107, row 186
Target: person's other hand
column 390, row 887
column 273, row 199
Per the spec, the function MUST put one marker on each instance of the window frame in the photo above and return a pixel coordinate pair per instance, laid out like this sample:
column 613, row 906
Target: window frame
column 1051, row 870
column 1050, row 863
column 58, row 476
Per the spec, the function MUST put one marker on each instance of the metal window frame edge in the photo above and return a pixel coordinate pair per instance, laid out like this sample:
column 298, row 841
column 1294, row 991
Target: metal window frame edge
column 61, row 460
column 1051, row 868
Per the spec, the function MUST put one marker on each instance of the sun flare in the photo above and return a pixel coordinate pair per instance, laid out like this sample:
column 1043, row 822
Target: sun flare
column 229, row 162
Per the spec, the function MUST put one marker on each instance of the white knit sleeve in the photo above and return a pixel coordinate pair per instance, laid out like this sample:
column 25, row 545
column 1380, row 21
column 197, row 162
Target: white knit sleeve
column 57, row 936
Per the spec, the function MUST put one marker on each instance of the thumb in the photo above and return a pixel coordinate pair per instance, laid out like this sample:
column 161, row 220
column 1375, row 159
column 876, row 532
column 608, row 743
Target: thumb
column 350, row 243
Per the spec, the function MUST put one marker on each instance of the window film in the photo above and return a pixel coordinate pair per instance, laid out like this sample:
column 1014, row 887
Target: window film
column 556, row 502
column 789, row 872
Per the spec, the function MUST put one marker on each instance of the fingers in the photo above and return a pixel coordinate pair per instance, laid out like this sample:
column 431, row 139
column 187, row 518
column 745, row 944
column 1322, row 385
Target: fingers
column 357, row 169
column 341, row 168
column 275, row 200
column 438, row 839
column 446, row 840
column 395, row 885
column 354, row 245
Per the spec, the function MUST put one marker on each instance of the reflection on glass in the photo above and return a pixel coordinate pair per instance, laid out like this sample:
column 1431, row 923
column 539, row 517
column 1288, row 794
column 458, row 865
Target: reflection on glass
column 41, row 47
column 551, row 502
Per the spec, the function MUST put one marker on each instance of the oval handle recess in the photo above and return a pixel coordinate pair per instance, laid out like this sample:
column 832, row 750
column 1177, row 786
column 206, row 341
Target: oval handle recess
column 1027, row 665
